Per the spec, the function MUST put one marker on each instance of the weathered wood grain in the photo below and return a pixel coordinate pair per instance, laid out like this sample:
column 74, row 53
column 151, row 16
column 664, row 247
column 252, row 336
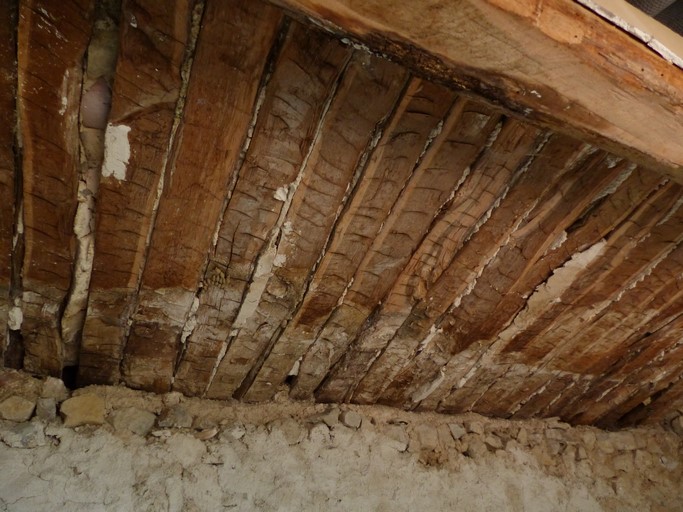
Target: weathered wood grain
column 666, row 402
column 496, row 297
column 146, row 90
column 447, row 164
column 626, row 258
column 8, row 172
column 553, row 61
column 389, row 172
column 52, row 40
column 471, row 206
column 649, row 308
column 424, row 372
column 528, row 338
column 363, row 104
column 650, row 381
column 231, row 55
column 304, row 80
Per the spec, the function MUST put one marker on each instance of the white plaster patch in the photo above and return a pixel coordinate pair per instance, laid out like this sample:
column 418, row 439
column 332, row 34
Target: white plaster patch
column 116, row 151
column 282, row 193
column 63, row 92
column 15, row 318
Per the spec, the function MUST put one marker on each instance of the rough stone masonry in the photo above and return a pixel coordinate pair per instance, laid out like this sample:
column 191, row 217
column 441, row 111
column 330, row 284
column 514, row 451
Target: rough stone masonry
column 112, row 448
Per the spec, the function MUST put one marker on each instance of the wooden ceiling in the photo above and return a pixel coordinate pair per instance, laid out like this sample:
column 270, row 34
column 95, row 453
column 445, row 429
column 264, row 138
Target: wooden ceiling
column 269, row 206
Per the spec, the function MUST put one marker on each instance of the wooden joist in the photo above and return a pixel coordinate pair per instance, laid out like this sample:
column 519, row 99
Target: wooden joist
column 231, row 56
column 9, row 355
column 302, row 84
column 52, row 41
column 154, row 39
column 416, row 119
column 368, row 93
column 553, row 61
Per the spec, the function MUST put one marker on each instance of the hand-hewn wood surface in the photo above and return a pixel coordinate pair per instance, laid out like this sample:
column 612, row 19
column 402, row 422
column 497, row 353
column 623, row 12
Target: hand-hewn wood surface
column 146, row 90
column 282, row 211
column 8, row 204
column 552, row 60
column 52, row 41
column 231, row 56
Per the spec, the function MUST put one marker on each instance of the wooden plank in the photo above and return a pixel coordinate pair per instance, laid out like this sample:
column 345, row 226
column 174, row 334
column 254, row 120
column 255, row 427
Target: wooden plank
column 666, row 403
column 364, row 102
column 555, row 62
column 621, row 267
column 52, row 40
column 420, row 218
column 591, row 350
column 610, row 390
column 147, row 85
column 598, row 220
column 650, row 384
column 551, row 388
column 304, row 79
column 231, row 55
column 468, row 153
column 505, row 161
column 497, row 296
column 589, row 307
column 392, row 168
column 627, row 257
column 604, row 344
column 8, row 177
column 426, row 320
column 528, row 337
column 600, row 217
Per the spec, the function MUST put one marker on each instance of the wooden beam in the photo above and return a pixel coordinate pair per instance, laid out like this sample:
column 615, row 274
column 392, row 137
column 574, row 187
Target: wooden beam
column 8, row 86
column 231, row 54
column 52, row 41
column 550, row 61
column 146, row 90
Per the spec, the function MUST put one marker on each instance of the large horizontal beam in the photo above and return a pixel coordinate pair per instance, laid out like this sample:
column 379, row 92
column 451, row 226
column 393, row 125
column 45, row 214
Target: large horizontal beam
column 551, row 61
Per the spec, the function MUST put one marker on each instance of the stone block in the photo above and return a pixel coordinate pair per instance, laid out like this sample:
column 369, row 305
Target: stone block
column 54, row 388
column 351, row 419
column 84, row 409
column 16, row 408
column 175, row 416
column 24, row 435
column 132, row 419
column 46, row 409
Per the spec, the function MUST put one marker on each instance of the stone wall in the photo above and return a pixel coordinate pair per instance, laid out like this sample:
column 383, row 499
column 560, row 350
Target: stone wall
column 110, row 448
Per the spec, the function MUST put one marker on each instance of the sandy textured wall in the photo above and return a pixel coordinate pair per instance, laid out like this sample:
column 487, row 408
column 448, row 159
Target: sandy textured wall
column 166, row 452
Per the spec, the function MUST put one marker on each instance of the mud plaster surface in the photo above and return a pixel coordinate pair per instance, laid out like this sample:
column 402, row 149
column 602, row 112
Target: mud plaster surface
column 284, row 456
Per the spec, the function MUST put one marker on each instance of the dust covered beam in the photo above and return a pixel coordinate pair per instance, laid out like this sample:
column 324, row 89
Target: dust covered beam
column 552, row 61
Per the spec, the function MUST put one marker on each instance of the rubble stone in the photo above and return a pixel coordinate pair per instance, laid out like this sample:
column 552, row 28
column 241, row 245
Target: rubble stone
column 87, row 409
column 292, row 430
column 54, row 388
column 46, row 409
column 397, row 437
column 493, row 442
column 474, row 427
column 16, row 408
column 476, row 448
column 351, row 419
column 457, row 431
column 677, row 425
column 132, row 419
column 206, row 434
column 175, row 416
